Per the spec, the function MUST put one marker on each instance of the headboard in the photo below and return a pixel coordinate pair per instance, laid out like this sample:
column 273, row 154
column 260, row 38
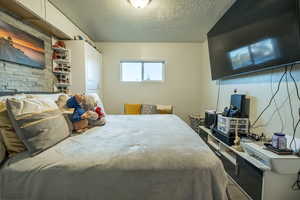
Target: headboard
column 9, row 93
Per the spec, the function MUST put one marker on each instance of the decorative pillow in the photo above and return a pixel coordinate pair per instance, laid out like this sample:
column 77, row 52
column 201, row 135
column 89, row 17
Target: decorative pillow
column 2, row 150
column 132, row 109
column 10, row 139
column 67, row 112
column 38, row 123
column 164, row 109
column 149, row 109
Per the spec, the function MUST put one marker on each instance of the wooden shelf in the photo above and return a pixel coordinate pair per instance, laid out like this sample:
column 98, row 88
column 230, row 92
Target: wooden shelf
column 59, row 49
column 29, row 17
column 61, row 72
column 61, row 61
column 63, row 84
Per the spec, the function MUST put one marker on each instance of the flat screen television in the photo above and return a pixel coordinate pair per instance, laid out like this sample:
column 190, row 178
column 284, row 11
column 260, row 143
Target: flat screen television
column 255, row 35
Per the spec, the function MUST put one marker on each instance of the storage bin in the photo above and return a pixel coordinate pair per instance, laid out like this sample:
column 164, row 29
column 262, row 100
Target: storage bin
column 228, row 125
column 195, row 121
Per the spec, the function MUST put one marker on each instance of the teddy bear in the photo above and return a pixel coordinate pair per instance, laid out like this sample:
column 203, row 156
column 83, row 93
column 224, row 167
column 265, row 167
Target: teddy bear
column 84, row 115
column 96, row 114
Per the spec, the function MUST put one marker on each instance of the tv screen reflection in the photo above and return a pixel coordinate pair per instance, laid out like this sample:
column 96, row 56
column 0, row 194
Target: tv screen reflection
column 257, row 53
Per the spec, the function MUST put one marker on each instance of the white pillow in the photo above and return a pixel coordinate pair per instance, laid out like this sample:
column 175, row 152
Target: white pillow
column 23, row 106
column 51, row 97
column 17, row 96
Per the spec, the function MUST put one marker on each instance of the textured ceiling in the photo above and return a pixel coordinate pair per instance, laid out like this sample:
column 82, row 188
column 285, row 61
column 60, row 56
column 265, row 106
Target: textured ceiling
column 161, row 21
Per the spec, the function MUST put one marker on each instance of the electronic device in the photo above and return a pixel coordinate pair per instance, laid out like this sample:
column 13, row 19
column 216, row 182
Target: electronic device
column 239, row 107
column 283, row 164
column 255, row 35
column 233, row 111
column 210, row 118
column 226, row 138
column 239, row 102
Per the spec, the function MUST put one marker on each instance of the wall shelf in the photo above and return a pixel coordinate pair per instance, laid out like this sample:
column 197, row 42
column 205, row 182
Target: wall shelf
column 63, row 84
column 59, row 49
column 60, row 72
column 62, row 68
column 63, row 61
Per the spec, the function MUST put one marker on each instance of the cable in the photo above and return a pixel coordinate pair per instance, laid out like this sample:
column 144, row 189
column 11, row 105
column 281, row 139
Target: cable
column 270, row 102
column 297, row 124
column 296, row 185
column 218, row 98
column 276, row 106
column 295, row 83
column 291, row 108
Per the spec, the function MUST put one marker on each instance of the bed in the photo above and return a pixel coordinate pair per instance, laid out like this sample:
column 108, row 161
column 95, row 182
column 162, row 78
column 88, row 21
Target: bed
column 137, row 157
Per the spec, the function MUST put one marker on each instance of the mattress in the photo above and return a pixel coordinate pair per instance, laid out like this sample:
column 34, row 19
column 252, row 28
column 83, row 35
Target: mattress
column 142, row 157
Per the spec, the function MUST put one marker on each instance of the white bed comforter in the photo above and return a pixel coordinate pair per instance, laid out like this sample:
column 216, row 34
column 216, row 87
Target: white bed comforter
column 146, row 157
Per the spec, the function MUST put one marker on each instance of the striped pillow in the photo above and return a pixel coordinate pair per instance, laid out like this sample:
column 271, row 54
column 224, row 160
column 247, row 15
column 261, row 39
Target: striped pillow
column 2, row 150
column 38, row 123
column 149, row 109
column 10, row 139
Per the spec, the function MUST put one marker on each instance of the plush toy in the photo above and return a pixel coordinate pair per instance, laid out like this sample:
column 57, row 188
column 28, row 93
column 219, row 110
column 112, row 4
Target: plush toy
column 62, row 101
column 96, row 116
column 84, row 115
column 99, row 111
column 79, row 116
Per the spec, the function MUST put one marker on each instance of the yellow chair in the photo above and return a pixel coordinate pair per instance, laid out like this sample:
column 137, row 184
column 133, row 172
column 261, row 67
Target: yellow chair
column 132, row 109
column 164, row 109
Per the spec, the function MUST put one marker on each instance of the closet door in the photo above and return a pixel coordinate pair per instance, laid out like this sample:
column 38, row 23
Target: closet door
column 93, row 69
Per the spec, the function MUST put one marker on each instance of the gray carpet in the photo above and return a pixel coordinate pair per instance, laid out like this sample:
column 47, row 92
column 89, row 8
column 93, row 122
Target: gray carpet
column 235, row 193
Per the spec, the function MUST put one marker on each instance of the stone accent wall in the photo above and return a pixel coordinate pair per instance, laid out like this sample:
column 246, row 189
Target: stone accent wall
column 23, row 78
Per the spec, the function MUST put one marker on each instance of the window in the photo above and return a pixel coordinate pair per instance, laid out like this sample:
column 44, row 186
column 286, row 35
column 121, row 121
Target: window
column 139, row 71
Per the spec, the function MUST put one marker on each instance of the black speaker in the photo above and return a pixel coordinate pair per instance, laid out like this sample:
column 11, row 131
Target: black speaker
column 240, row 102
column 210, row 118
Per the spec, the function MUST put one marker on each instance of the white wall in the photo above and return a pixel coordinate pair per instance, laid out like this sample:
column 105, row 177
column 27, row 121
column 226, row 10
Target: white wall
column 181, row 88
column 189, row 86
column 258, row 87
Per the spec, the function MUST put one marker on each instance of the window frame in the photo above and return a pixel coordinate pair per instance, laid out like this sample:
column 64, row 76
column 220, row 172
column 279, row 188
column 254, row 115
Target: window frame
column 142, row 77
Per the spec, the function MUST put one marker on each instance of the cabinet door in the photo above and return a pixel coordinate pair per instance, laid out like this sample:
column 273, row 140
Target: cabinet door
column 59, row 21
column 35, row 6
column 250, row 178
column 203, row 135
column 93, row 68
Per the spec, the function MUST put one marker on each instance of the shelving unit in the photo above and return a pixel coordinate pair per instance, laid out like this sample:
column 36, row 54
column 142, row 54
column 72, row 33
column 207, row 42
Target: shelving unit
column 62, row 69
column 253, row 176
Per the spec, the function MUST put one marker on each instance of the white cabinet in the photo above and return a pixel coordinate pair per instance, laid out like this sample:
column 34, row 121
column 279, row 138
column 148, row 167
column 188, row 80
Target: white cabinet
column 58, row 20
column 45, row 12
column 37, row 7
column 86, row 67
column 93, row 59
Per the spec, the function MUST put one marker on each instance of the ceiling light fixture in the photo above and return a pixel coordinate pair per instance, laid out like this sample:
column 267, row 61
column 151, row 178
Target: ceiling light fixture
column 139, row 3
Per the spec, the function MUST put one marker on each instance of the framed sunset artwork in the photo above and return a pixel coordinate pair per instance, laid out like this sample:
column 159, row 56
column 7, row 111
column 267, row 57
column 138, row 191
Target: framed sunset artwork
column 19, row 47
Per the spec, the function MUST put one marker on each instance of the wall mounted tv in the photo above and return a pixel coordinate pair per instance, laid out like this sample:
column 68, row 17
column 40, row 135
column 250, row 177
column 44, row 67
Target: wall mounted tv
column 255, row 35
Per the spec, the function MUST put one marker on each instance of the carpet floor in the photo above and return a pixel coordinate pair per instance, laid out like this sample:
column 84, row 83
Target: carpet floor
column 235, row 193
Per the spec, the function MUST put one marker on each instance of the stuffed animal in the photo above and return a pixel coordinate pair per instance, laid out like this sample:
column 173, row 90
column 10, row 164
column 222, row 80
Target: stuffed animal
column 79, row 116
column 96, row 116
column 84, row 115
column 62, row 101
